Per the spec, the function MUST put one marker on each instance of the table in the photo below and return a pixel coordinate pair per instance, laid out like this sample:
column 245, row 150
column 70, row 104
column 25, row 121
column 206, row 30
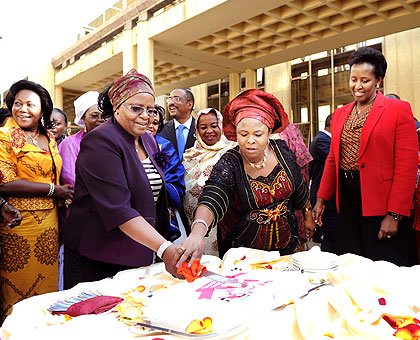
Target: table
column 347, row 308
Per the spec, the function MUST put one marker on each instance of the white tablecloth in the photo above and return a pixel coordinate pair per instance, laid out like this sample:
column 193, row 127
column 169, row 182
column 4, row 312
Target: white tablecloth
column 347, row 308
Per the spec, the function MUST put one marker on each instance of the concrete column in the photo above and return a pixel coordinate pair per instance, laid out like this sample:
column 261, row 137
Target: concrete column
column 234, row 85
column 277, row 82
column 401, row 53
column 42, row 72
column 128, row 49
column 58, row 101
column 145, row 51
column 250, row 79
column 200, row 97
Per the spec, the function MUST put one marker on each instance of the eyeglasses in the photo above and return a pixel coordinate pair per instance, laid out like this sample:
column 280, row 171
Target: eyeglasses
column 138, row 110
column 95, row 116
column 175, row 99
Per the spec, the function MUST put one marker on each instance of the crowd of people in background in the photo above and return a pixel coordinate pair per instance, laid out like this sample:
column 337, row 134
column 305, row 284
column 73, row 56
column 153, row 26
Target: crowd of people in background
column 130, row 189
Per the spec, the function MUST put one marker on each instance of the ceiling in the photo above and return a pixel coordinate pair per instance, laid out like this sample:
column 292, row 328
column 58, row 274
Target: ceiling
column 235, row 35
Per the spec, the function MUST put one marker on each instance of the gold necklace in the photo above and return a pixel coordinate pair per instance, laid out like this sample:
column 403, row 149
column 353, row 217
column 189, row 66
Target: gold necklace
column 33, row 139
column 366, row 109
column 257, row 166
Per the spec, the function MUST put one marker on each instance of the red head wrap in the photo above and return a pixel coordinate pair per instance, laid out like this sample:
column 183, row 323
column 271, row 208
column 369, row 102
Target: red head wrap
column 128, row 86
column 255, row 104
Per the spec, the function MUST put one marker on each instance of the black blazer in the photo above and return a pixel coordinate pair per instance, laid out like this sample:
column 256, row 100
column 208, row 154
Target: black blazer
column 319, row 149
column 169, row 133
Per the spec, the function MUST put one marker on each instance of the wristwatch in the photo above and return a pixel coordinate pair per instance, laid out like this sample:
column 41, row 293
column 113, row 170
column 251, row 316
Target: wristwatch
column 395, row 216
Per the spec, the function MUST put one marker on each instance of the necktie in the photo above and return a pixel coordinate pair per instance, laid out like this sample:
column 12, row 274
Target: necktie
column 181, row 140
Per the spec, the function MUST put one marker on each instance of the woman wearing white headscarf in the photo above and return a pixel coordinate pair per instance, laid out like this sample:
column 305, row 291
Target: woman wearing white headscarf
column 199, row 160
column 88, row 116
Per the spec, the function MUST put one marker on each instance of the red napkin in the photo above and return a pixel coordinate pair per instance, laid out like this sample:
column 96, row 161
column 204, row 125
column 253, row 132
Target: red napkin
column 95, row 305
column 191, row 273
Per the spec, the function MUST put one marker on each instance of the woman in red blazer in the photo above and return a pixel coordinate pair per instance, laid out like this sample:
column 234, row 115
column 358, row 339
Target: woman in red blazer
column 372, row 164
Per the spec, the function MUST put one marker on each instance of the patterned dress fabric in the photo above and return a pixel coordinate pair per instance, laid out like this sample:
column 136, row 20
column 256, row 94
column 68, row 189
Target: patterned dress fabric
column 29, row 252
column 294, row 139
column 350, row 140
column 256, row 212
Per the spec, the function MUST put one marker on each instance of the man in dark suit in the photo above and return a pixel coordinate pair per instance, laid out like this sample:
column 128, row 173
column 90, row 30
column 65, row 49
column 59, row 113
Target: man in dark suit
column 181, row 130
column 319, row 149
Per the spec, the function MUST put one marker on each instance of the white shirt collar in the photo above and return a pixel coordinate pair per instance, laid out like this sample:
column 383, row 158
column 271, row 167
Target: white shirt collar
column 187, row 124
column 327, row 133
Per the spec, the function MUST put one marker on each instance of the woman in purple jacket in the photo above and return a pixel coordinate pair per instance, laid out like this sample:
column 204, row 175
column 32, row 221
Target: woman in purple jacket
column 119, row 214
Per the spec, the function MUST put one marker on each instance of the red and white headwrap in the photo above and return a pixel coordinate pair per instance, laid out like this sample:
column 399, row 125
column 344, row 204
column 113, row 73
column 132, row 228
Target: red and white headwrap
column 255, row 104
column 128, row 86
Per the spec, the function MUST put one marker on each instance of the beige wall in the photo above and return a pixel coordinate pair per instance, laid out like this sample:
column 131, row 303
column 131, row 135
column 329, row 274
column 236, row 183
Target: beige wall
column 402, row 54
column 277, row 82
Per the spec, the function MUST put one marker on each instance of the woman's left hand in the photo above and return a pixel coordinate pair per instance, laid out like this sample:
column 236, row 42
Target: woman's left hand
column 190, row 249
column 309, row 225
column 389, row 227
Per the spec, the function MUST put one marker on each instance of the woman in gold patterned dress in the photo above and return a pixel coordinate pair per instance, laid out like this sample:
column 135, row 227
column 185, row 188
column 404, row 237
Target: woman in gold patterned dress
column 29, row 171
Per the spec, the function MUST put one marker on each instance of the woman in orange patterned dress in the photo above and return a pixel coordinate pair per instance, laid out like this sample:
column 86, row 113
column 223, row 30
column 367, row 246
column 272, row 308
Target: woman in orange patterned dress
column 29, row 171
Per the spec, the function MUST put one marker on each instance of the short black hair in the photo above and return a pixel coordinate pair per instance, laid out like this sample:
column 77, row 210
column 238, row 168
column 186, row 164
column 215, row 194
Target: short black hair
column 4, row 113
column 46, row 101
column 161, row 113
column 328, row 121
column 371, row 56
column 189, row 96
column 56, row 109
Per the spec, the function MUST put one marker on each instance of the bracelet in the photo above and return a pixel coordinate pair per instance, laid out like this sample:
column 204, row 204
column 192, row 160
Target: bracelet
column 165, row 245
column 308, row 207
column 51, row 191
column 200, row 220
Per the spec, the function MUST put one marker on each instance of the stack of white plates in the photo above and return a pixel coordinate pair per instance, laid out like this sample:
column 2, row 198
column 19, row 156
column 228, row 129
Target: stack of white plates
column 315, row 261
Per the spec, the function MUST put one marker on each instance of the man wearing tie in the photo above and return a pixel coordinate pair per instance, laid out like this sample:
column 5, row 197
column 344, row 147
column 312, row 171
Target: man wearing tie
column 181, row 130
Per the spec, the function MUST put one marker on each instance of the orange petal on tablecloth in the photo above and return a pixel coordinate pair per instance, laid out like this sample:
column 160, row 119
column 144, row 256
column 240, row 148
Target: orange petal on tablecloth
column 191, row 273
column 199, row 326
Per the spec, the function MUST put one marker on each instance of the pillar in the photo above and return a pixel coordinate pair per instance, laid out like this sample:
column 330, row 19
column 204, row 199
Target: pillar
column 200, row 97
column 234, row 85
column 128, row 49
column 278, row 83
column 250, row 79
column 58, row 100
column 145, row 51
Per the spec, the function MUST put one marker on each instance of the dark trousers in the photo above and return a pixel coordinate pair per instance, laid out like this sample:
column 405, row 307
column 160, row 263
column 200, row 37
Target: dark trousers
column 332, row 241
column 360, row 233
column 78, row 268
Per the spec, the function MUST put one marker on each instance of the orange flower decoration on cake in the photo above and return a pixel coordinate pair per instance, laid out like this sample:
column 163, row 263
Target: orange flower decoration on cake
column 199, row 326
column 191, row 273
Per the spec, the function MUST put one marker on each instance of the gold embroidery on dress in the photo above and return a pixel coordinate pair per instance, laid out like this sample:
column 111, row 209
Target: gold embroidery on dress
column 15, row 252
column 277, row 185
column 46, row 247
column 4, row 310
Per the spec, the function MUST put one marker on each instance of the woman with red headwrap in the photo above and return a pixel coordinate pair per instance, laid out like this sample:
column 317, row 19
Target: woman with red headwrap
column 119, row 215
column 254, row 188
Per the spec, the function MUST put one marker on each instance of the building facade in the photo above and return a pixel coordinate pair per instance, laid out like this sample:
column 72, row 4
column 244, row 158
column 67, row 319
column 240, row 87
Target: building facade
column 297, row 50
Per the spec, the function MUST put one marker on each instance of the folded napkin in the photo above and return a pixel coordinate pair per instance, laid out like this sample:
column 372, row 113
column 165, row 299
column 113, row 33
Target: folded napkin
column 191, row 273
column 95, row 305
